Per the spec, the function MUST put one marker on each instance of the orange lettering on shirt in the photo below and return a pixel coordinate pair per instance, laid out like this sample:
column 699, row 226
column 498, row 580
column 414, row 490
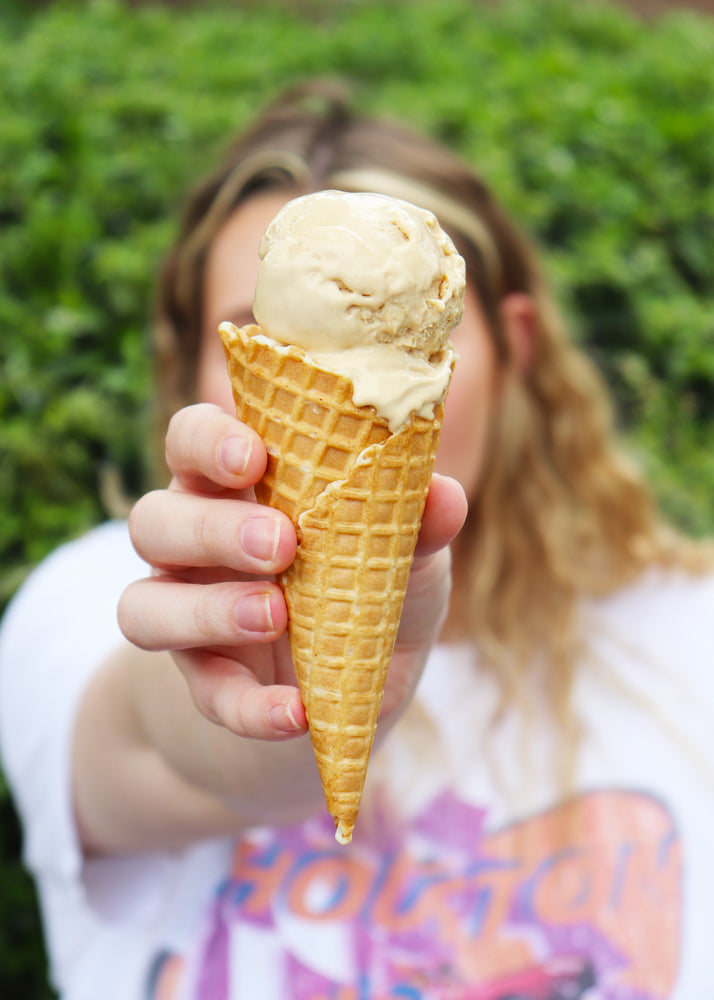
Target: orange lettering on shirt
column 257, row 877
column 328, row 887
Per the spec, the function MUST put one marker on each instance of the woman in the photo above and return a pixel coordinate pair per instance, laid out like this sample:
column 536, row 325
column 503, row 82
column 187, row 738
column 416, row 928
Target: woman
column 535, row 818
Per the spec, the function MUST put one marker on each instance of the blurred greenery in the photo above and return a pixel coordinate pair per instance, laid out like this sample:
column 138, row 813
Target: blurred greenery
column 596, row 129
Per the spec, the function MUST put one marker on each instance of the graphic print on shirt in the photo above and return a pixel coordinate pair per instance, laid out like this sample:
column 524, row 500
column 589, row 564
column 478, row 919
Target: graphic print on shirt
column 564, row 905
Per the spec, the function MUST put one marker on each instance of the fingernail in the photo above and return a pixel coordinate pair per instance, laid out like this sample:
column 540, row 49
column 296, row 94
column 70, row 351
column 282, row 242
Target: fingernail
column 253, row 613
column 260, row 537
column 282, row 719
column 235, row 454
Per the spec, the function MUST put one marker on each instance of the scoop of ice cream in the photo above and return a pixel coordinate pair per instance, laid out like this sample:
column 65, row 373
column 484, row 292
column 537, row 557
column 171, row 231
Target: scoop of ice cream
column 341, row 270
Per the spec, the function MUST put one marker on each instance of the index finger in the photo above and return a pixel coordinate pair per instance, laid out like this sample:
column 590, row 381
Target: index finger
column 208, row 450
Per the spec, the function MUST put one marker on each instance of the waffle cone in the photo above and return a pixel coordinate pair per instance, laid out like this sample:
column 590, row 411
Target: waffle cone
column 355, row 493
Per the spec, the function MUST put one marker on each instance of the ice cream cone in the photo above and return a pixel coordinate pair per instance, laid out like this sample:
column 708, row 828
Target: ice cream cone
column 355, row 492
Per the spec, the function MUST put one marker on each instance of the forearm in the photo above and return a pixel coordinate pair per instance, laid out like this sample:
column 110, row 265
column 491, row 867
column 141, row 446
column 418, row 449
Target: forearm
column 151, row 772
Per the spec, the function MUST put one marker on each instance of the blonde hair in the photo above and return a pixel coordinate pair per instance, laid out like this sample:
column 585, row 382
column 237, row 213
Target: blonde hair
column 560, row 512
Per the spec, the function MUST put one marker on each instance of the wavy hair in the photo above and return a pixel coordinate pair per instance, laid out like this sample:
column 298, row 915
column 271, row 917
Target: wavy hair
column 560, row 512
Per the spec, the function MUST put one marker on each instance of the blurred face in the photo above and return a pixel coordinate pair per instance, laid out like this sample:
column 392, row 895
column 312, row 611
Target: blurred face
column 231, row 271
column 229, row 286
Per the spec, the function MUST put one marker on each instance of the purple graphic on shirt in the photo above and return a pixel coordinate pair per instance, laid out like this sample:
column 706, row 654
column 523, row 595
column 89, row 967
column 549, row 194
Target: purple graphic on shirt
column 212, row 982
column 563, row 905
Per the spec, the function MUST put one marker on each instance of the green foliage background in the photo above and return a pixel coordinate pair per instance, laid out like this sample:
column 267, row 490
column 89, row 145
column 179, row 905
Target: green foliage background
column 596, row 129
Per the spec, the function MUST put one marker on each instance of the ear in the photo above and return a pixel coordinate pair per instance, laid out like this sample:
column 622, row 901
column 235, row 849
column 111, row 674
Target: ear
column 518, row 316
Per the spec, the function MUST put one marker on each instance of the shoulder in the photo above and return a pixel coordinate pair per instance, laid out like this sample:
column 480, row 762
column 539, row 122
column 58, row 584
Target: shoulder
column 71, row 595
column 107, row 545
column 666, row 618
column 61, row 623
column 93, row 564
column 662, row 601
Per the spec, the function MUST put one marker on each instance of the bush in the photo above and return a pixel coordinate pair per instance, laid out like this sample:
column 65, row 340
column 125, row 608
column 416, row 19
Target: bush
column 597, row 130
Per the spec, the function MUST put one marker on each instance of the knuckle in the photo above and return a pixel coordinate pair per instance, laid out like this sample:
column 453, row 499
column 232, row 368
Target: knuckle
column 202, row 690
column 210, row 616
column 124, row 614
column 183, row 419
column 180, row 435
column 140, row 514
column 202, row 620
column 173, row 434
column 174, row 422
column 205, row 698
column 243, row 719
column 129, row 621
column 204, row 530
column 227, row 707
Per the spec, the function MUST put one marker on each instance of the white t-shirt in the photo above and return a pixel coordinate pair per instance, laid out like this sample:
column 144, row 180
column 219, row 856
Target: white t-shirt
column 462, row 883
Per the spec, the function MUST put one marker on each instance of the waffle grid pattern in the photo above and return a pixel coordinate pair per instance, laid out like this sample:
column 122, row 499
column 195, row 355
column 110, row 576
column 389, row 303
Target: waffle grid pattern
column 355, row 493
column 351, row 575
column 305, row 416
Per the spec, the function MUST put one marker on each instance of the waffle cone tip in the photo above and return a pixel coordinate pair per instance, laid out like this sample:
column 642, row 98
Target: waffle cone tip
column 343, row 833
